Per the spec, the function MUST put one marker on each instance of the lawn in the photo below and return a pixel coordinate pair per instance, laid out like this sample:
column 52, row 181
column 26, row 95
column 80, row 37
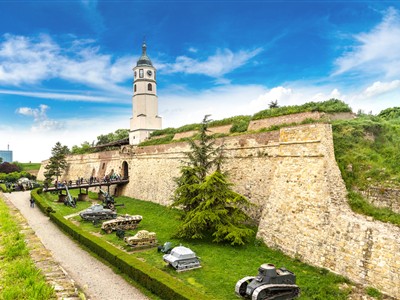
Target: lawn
column 19, row 277
column 222, row 264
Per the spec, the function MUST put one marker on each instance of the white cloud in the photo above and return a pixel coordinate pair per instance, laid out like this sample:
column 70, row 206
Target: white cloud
column 377, row 52
column 31, row 60
column 221, row 63
column 378, row 88
column 70, row 97
column 40, row 119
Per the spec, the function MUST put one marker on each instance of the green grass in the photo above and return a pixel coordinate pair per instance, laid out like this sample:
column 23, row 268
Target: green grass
column 19, row 278
column 222, row 264
column 359, row 205
column 30, row 166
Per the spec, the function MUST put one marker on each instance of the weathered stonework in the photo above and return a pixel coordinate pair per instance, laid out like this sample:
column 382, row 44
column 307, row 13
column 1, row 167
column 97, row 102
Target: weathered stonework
column 300, row 199
column 297, row 118
column 383, row 197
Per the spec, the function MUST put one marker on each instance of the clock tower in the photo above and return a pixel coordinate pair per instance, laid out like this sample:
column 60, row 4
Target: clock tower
column 145, row 117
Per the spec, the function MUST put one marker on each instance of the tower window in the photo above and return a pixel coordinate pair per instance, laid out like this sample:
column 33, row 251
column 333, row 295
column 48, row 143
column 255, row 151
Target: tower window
column 149, row 87
column 140, row 73
column 134, row 88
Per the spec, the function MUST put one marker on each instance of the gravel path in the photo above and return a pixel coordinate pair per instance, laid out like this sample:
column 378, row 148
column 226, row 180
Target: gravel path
column 97, row 280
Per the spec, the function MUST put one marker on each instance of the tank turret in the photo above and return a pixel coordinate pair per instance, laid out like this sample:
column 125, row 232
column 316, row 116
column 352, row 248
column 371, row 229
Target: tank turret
column 270, row 283
column 97, row 212
column 182, row 259
column 142, row 239
column 124, row 222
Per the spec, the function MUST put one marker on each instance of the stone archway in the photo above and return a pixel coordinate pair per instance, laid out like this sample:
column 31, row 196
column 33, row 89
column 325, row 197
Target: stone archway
column 125, row 170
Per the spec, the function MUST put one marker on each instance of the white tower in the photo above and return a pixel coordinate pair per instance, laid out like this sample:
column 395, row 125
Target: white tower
column 145, row 117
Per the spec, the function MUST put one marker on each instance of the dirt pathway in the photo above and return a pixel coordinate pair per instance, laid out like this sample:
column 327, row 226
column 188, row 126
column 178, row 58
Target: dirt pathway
column 95, row 279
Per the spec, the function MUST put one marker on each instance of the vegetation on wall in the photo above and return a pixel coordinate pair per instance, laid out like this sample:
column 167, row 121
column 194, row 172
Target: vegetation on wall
column 209, row 205
column 329, row 106
column 240, row 123
column 367, row 151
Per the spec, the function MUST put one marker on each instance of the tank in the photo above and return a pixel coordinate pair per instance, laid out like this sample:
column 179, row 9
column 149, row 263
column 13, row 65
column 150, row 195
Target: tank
column 125, row 222
column 142, row 239
column 270, row 283
column 97, row 212
column 182, row 259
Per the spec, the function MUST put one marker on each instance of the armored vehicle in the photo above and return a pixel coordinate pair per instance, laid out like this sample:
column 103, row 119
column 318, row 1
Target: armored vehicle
column 97, row 212
column 125, row 222
column 270, row 283
column 182, row 259
column 142, row 239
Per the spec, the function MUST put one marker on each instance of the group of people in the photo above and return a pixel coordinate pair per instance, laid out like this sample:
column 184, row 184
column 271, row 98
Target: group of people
column 92, row 179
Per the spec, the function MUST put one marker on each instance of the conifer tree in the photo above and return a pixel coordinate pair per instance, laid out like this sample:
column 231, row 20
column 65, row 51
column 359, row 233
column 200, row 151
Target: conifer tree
column 210, row 205
column 57, row 163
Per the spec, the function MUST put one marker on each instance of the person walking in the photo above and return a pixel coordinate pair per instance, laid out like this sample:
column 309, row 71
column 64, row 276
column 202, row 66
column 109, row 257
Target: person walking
column 32, row 202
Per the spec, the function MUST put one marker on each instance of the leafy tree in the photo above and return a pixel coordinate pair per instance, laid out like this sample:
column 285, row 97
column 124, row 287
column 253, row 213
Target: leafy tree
column 390, row 113
column 57, row 163
column 84, row 148
column 1, row 160
column 119, row 134
column 210, row 205
column 7, row 168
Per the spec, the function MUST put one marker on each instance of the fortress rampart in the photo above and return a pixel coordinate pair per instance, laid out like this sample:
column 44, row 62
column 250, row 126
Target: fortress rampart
column 300, row 199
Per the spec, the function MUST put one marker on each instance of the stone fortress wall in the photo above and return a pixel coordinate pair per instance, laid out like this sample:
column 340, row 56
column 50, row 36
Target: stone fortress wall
column 300, row 199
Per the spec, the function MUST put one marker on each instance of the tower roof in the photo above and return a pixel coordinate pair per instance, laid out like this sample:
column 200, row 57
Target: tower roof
column 144, row 60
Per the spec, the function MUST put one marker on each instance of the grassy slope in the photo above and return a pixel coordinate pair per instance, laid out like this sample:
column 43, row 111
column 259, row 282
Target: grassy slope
column 19, row 278
column 367, row 150
column 222, row 265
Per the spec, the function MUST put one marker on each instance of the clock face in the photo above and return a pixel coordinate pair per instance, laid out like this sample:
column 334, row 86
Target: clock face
column 149, row 72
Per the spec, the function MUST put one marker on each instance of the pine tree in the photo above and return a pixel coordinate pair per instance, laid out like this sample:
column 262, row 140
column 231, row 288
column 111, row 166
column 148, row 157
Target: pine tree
column 57, row 163
column 210, row 205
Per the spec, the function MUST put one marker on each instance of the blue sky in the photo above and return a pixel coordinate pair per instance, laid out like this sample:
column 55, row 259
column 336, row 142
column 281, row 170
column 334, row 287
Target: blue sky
column 66, row 66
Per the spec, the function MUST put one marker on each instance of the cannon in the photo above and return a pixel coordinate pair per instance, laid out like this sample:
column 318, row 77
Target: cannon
column 166, row 248
column 97, row 212
column 124, row 222
column 182, row 259
column 270, row 283
column 108, row 200
column 142, row 239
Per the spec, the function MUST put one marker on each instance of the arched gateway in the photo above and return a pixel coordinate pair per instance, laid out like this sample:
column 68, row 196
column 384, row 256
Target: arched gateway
column 125, row 170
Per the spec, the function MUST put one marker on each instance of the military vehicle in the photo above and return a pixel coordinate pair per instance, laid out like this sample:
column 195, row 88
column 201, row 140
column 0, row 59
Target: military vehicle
column 97, row 212
column 182, row 259
column 124, row 222
column 270, row 283
column 142, row 239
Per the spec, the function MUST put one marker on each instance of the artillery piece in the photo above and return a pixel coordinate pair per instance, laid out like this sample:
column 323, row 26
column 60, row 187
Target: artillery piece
column 124, row 222
column 142, row 239
column 270, row 283
column 97, row 212
column 182, row 259
column 108, row 200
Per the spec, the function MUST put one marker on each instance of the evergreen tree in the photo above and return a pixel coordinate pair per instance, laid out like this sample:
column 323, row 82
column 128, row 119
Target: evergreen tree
column 209, row 204
column 57, row 163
